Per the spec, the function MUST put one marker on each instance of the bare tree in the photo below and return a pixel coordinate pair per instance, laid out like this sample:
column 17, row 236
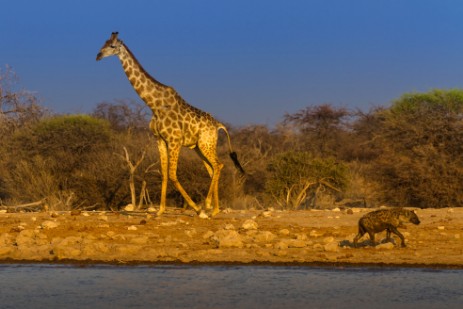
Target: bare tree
column 17, row 106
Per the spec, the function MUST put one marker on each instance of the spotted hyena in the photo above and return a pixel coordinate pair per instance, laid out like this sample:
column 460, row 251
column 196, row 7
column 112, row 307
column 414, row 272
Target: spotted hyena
column 385, row 219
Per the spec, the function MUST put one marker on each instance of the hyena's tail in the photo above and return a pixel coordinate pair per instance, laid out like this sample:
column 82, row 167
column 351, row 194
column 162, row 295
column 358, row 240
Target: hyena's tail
column 233, row 154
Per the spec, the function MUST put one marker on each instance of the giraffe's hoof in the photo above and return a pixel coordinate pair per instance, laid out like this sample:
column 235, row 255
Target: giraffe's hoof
column 203, row 215
column 159, row 213
column 215, row 212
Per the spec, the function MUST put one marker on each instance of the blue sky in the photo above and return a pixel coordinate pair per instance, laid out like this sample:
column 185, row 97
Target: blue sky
column 244, row 61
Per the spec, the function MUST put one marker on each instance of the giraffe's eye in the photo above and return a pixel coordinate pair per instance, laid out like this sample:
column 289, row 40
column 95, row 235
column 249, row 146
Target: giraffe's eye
column 112, row 46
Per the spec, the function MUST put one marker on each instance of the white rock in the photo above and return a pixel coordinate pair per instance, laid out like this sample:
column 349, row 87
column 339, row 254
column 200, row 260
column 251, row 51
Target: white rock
column 129, row 207
column 3, row 211
column 441, row 227
column 331, row 247
column 132, row 228
column 49, row 224
column 336, row 209
column 203, row 215
column 264, row 236
column 284, row 232
column 281, row 245
column 229, row 226
column 328, row 239
column 388, row 246
column 250, row 225
column 266, row 214
column 296, row 243
column 168, row 223
column 227, row 239
column 191, row 233
column 208, row 235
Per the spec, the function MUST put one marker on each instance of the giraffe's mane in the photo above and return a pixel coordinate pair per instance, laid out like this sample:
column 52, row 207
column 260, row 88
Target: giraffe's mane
column 142, row 69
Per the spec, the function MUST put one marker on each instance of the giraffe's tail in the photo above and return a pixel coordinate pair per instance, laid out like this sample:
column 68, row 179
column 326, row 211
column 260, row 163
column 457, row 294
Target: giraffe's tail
column 233, row 154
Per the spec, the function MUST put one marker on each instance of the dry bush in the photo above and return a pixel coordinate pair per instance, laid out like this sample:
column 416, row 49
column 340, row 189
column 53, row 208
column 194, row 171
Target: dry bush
column 421, row 136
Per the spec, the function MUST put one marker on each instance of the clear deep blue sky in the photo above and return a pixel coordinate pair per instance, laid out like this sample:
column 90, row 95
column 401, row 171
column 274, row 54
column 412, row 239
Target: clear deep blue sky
column 244, row 61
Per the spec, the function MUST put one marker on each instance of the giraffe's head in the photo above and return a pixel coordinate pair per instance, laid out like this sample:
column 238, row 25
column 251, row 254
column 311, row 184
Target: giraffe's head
column 110, row 47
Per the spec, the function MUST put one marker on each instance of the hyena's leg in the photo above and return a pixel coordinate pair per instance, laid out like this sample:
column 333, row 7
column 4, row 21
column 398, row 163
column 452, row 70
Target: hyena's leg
column 388, row 235
column 396, row 231
column 372, row 237
column 360, row 234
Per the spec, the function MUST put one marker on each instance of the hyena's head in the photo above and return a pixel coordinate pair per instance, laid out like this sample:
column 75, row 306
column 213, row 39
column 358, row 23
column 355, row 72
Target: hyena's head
column 410, row 216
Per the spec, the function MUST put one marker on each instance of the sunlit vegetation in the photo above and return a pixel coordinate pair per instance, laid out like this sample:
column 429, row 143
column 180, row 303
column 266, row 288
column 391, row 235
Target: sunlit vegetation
column 407, row 154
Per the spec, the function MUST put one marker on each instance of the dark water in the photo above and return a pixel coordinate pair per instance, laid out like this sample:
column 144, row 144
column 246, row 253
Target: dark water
column 173, row 286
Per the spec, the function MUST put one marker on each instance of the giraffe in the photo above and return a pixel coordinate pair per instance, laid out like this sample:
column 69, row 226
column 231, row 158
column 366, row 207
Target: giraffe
column 176, row 124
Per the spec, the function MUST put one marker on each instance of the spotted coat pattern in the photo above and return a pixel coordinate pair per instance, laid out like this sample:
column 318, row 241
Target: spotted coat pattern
column 385, row 219
column 175, row 123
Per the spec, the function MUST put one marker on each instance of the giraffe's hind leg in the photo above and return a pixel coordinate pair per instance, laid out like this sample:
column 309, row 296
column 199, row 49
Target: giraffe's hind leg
column 164, row 172
column 213, row 166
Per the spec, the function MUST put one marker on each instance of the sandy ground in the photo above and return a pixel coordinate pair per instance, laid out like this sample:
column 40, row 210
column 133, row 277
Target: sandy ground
column 233, row 236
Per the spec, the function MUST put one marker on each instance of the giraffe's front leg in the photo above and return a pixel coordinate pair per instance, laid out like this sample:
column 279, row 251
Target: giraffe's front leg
column 173, row 152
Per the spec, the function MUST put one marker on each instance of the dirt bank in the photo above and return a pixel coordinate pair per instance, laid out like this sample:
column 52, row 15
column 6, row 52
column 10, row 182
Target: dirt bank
column 313, row 236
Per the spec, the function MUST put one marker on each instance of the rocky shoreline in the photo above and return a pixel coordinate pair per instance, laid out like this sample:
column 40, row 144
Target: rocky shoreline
column 311, row 237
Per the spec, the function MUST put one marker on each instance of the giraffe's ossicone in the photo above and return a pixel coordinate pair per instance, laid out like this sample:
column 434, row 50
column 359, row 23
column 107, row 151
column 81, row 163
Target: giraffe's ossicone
column 175, row 123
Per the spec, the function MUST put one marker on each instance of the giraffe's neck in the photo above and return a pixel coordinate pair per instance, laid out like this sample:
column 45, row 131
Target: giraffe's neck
column 155, row 94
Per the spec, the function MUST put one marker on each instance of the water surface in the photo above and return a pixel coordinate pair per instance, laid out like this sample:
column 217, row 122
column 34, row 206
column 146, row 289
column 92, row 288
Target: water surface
column 179, row 286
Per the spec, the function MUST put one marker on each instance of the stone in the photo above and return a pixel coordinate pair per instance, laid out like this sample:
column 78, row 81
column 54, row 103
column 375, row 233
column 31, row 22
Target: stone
column 190, row 233
column 6, row 239
column 264, row 236
column 266, row 214
column 208, row 234
column 296, row 243
column 5, row 250
column 229, row 226
column 49, row 224
column 129, row 207
column 227, row 239
column 139, row 240
column 203, row 215
column 284, row 232
column 281, row 245
column 26, row 238
column 441, row 227
column 328, row 240
column 314, row 233
column 250, row 225
column 387, row 245
column 331, row 247
column 132, row 228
